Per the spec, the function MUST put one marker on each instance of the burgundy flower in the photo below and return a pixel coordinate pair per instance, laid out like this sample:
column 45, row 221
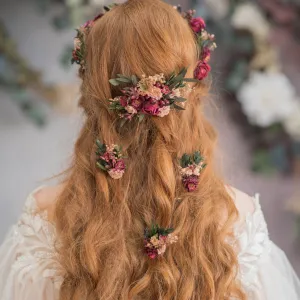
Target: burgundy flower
column 205, row 54
column 202, row 70
column 151, row 108
column 120, row 165
column 98, row 17
column 152, row 253
column 197, row 24
column 137, row 103
column 190, row 182
column 123, row 101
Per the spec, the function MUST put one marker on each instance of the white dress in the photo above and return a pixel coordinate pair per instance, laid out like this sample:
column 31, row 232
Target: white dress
column 29, row 269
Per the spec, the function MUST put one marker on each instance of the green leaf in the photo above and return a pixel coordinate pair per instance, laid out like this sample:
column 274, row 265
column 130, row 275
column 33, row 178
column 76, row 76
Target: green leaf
column 98, row 143
column 183, row 72
column 134, row 79
column 122, row 79
column 185, row 159
column 197, row 157
column 191, row 80
column 114, row 82
column 179, row 99
column 141, row 117
column 101, row 167
column 178, row 107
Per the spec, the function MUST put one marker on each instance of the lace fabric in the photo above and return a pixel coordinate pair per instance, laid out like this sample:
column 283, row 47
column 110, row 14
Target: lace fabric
column 29, row 268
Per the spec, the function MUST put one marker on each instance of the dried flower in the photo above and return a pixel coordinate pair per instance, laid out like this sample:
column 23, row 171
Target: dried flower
column 110, row 159
column 190, row 182
column 156, row 240
column 190, row 169
column 197, row 24
column 202, row 70
column 164, row 111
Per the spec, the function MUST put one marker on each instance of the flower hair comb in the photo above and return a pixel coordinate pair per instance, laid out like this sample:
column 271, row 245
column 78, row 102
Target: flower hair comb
column 157, row 239
column 190, row 169
column 152, row 95
column 205, row 40
column 110, row 160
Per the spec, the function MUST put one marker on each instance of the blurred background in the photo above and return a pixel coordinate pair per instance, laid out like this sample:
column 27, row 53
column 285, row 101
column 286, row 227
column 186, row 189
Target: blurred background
column 255, row 107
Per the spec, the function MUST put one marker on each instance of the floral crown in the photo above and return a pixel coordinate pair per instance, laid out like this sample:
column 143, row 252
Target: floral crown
column 79, row 51
column 205, row 40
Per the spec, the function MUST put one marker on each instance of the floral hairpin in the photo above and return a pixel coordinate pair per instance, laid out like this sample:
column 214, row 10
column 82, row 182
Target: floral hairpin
column 152, row 95
column 78, row 54
column 110, row 160
column 190, row 169
column 205, row 40
column 156, row 240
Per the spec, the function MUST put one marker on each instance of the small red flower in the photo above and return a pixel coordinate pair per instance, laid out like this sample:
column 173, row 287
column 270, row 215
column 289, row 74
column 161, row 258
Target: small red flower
column 202, row 70
column 151, row 109
column 190, row 182
column 124, row 101
column 197, row 24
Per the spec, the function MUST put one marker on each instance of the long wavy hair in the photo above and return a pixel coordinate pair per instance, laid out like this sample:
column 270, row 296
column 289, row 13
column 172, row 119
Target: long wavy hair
column 100, row 221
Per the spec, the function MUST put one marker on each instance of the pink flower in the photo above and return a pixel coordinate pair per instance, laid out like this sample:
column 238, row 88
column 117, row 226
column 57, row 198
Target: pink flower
column 116, row 174
column 131, row 109
column 120, row 165
column 106, row 157
column 165, row 90
column 151, row 109
column 137, row 102
column 197, row 24
column 190, row 182
column 163, row 111
column 202, row 70
column 205, row 55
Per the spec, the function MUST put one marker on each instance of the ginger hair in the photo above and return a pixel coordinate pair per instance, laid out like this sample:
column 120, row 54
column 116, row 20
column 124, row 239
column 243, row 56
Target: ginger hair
column 100, row 221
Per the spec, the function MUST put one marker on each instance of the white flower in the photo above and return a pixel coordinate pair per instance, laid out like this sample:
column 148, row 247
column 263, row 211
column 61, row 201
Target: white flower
column 175, row 93
column 116, row 174
column 248, row 16
column 77, row 43
column 164, row 111
column 292, row 123
column 131, row 109
column 267, row 98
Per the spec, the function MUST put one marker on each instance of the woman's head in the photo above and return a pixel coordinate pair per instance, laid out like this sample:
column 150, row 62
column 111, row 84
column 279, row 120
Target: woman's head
column 101, row 221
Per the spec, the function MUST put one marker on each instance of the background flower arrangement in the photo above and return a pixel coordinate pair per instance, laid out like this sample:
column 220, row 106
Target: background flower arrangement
column 262, row 98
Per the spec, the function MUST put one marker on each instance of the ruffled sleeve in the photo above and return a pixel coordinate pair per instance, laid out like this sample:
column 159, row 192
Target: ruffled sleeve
column 29, row 268
column 265, row 271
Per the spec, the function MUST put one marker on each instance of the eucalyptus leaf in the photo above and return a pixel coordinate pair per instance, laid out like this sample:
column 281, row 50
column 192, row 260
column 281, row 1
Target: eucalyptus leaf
column 134, row 79
column 114, row 82
column 122, row 79
column 178, row 107
column 191, row 80
column 179, row 99
column 141, row 117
